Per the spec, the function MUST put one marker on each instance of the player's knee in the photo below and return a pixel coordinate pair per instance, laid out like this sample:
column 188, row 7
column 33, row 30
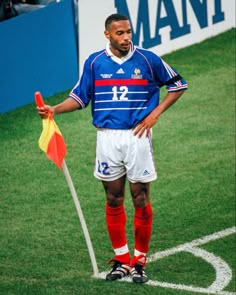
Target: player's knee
column 140, row 200
column 114, row 197
column 114, row 200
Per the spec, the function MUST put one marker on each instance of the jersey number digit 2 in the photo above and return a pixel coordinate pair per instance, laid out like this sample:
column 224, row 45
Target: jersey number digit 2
column 123, row 90
column 103, row 168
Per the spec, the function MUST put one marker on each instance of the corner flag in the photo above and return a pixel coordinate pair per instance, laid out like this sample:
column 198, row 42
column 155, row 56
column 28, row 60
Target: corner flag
column 51, row 140
column 52, row 143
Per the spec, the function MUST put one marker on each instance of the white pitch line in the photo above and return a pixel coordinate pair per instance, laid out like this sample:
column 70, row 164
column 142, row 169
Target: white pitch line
column 187, row 288
column 223, row 271
column 102, row 275
column 194, row 243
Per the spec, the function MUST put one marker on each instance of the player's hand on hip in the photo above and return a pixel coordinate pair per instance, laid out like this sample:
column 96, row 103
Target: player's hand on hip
column 145, row 126
column 44, row 111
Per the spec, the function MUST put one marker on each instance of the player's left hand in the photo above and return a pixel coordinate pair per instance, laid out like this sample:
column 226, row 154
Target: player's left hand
column 145, row 125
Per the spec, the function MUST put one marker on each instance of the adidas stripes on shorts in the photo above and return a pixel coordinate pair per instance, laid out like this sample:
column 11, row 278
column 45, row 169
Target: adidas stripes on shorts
column 119, row 152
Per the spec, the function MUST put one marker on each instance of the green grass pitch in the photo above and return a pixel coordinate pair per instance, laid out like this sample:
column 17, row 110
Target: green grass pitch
column 42, row 247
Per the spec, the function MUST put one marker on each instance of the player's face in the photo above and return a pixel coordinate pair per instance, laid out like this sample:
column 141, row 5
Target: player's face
column 119, row 34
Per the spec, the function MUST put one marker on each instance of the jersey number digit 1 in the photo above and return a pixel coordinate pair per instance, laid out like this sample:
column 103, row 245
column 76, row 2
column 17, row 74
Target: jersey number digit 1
column 123, row 90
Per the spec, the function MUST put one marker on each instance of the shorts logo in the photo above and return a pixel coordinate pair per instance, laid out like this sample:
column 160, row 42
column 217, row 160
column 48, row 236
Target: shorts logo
column 136, row 74
column 145, row 173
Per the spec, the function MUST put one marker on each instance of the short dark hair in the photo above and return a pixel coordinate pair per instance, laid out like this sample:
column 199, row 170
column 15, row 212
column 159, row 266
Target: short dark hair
column 114, row 18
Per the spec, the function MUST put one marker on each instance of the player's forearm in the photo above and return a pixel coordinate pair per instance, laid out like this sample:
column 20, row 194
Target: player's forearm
column 68, row 105
column 167, row 102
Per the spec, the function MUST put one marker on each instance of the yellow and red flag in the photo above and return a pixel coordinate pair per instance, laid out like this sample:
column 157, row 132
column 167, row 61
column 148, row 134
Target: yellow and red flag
column 51, row 140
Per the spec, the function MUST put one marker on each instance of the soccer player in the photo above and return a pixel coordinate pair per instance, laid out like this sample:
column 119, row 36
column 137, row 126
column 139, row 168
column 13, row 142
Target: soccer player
column 123, row 83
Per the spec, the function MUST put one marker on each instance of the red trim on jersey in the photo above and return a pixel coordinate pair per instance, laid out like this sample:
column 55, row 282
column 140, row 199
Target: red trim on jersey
column 112, row 82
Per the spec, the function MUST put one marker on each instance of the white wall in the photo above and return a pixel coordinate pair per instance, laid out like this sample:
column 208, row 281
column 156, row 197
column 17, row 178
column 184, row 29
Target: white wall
column 204, row 19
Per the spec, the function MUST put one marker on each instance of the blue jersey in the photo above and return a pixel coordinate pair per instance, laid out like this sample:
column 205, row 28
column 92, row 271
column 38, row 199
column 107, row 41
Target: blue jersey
column 123, row 93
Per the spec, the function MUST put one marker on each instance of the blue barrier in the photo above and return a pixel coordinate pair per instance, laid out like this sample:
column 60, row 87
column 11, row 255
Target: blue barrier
column 38, row 52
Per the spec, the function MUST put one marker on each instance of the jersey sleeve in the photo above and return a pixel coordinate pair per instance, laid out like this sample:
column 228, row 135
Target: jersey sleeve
column 167, row 76
column 82, row 92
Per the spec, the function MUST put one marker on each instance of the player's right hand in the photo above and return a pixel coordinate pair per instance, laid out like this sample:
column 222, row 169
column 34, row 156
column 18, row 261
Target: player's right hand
column 44, row 111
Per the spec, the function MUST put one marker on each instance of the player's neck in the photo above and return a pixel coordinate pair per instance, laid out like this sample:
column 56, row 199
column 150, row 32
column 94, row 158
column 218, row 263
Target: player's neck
column 119, row 53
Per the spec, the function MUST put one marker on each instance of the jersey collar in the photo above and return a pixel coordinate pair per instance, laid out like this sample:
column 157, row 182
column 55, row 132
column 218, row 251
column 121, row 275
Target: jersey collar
column 117, row 59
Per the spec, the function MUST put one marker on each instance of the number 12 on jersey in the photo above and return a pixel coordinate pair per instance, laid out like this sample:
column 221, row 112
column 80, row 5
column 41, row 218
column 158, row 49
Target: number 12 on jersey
column 120, row 94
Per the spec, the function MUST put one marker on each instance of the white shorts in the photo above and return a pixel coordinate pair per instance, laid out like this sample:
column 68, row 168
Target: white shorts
column 119, row 152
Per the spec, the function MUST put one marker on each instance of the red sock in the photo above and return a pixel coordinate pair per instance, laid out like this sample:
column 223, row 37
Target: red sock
column 142, row 228
column 116, row 221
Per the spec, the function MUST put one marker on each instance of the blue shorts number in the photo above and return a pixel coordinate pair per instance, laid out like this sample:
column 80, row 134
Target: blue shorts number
column 103, row 168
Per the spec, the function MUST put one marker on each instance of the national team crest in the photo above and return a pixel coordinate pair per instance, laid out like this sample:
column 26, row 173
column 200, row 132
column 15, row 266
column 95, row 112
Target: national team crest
column 137, row 74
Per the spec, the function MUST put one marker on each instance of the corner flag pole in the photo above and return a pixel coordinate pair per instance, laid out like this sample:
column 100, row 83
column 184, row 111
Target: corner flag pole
column 81, row 217
column 57, row 154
